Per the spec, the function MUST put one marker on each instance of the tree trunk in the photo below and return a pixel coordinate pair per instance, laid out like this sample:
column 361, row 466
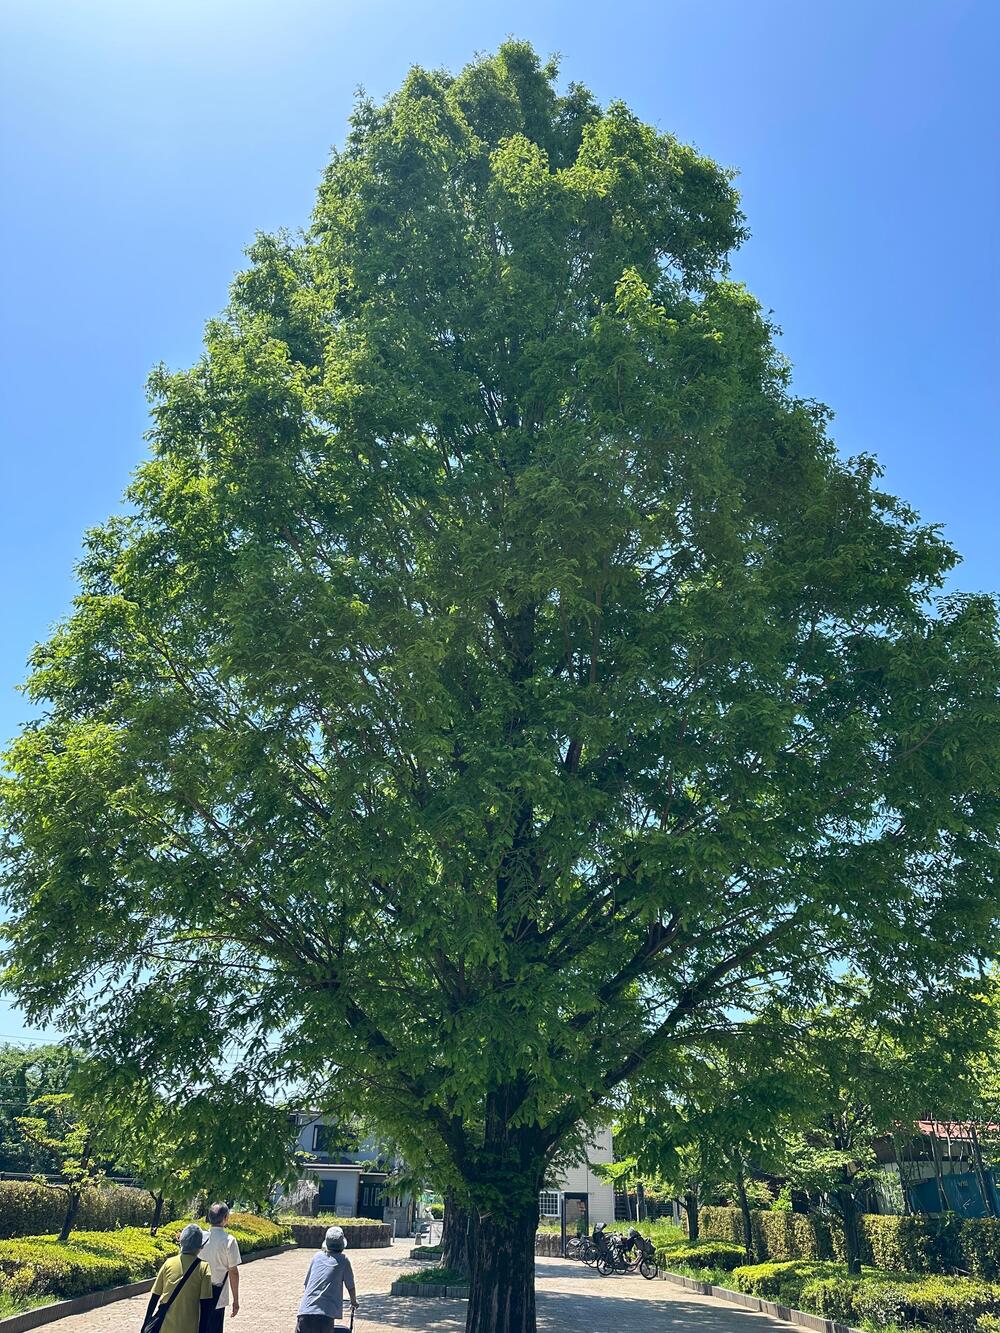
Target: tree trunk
column 939, row 1173
column 72, row 1208
column 154, row 1225
column 847, row 1206
column 691, row 1208
column 741, row 1192
column 458, row 1236
column 502, row 1291
column 640, row 1201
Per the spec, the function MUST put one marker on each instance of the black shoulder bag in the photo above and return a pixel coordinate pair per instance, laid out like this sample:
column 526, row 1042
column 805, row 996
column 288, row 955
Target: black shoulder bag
column 155, row 1321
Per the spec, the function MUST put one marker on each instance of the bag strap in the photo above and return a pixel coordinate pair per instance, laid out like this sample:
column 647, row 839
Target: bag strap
column 184, row 1278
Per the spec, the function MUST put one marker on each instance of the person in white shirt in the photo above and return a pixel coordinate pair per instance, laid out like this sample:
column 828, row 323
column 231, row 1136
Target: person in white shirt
column 222, row 1254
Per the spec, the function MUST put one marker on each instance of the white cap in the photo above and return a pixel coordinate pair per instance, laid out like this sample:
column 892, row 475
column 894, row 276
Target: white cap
column 335, row 1239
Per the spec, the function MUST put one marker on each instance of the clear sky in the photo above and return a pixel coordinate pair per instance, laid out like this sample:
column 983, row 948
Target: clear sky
column 145, row 143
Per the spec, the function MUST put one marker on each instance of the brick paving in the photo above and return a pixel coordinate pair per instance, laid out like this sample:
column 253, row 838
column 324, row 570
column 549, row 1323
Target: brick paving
column 571, row 1299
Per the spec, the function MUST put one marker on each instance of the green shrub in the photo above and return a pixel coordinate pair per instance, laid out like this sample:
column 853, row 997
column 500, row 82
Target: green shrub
column 878, row 1300
column 437, row 1211
column 945, row 1304
column 445, row 1277
column 784, row 1281
column 988, row 1323
column 426, row 1252
column 29, row 1209
column 35, row 1266
column 980, row 1247
column 718, row 1254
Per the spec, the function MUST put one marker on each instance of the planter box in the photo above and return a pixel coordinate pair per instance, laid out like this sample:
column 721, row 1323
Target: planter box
column 93, row 1300
column 797, row 1318
column 364, row 1236
column 438, row 1289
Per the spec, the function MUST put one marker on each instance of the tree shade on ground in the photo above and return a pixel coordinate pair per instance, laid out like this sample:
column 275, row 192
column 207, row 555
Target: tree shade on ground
column 495, row 679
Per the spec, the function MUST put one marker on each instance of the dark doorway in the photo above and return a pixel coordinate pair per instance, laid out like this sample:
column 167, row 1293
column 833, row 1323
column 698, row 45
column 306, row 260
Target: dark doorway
column 371, row 1198
column 575, row 1215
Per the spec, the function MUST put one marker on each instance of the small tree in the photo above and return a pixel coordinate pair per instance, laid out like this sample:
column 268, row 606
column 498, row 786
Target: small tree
column 58, row 1127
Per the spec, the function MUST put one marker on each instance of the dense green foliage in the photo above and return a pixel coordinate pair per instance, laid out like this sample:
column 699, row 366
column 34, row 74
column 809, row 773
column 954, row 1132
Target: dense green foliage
column 918, row 1244
column 29, row 1209
column 942, row 1304
column 36, row 1266
column 26, row 1075
column 496, row 666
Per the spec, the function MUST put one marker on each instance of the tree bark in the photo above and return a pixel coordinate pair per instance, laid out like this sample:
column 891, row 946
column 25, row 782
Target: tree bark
column 741, row 1192
column 847, row 1206
column 154, row 1225
column 458, row 1236
column 691, row 1208
column 72, row 1208
column 502, row 1291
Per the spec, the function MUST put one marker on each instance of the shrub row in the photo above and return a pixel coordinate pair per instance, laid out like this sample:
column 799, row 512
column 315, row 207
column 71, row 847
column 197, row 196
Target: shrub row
column 776, row 1235
column 29, row 1209
column 923, row 1244
column 933, row 1302
column 36, row 1266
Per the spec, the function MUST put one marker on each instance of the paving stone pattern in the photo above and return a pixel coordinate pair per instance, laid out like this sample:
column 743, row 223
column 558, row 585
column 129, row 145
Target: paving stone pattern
column 571, row 1299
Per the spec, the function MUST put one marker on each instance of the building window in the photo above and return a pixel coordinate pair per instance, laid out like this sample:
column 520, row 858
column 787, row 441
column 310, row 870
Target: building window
column 548, row 1204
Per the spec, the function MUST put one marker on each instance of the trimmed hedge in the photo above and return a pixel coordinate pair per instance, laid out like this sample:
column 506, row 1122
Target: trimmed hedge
column 702, row 1254
column 777, row 1234
column 922, row 1244
column 933, row 1302
column 34, row 1266
column 30, row 1209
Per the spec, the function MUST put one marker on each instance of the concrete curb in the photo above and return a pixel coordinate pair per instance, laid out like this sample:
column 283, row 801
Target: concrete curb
column 404, row 1288
column 93, row 1300
column 798, row 1318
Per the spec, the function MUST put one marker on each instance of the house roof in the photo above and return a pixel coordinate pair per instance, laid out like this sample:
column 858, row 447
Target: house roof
column 954, row 1129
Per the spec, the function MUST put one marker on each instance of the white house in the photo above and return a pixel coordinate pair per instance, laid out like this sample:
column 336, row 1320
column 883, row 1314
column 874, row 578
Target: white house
column 343, row 1176
column 586, row 1196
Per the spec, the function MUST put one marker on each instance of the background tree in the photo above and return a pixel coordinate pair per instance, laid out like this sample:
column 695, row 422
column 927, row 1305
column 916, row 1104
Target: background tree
column 721, row 1118
column 496, row 676
column 868, row 1073
column 222, row 1142
column 26, row 1074
column 58, row 1128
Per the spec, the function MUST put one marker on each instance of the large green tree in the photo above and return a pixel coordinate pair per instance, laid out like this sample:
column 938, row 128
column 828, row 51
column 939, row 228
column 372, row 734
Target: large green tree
column 496, row 675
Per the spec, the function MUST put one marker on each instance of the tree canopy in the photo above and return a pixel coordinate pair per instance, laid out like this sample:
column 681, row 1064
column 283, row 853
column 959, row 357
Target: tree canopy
column 496, row 677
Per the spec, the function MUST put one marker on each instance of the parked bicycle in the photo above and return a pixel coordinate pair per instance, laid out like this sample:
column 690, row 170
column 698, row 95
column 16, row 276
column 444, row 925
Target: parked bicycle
column 631, row 1253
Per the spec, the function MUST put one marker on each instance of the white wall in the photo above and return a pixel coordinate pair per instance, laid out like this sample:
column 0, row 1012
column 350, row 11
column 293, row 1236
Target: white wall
column 580, row 1179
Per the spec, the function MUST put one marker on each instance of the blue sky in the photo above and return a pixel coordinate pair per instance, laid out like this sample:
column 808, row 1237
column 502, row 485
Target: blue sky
column 144, row 144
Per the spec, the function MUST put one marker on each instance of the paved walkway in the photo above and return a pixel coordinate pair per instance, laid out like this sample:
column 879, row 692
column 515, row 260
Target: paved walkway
column 571, row 1299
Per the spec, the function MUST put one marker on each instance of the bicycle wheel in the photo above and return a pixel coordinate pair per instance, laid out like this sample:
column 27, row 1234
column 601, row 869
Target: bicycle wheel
column 605, row 1265
column 649, row 1269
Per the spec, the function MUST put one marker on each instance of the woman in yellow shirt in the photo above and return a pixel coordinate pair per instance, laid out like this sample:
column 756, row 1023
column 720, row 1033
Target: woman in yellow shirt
column 186, row 1295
